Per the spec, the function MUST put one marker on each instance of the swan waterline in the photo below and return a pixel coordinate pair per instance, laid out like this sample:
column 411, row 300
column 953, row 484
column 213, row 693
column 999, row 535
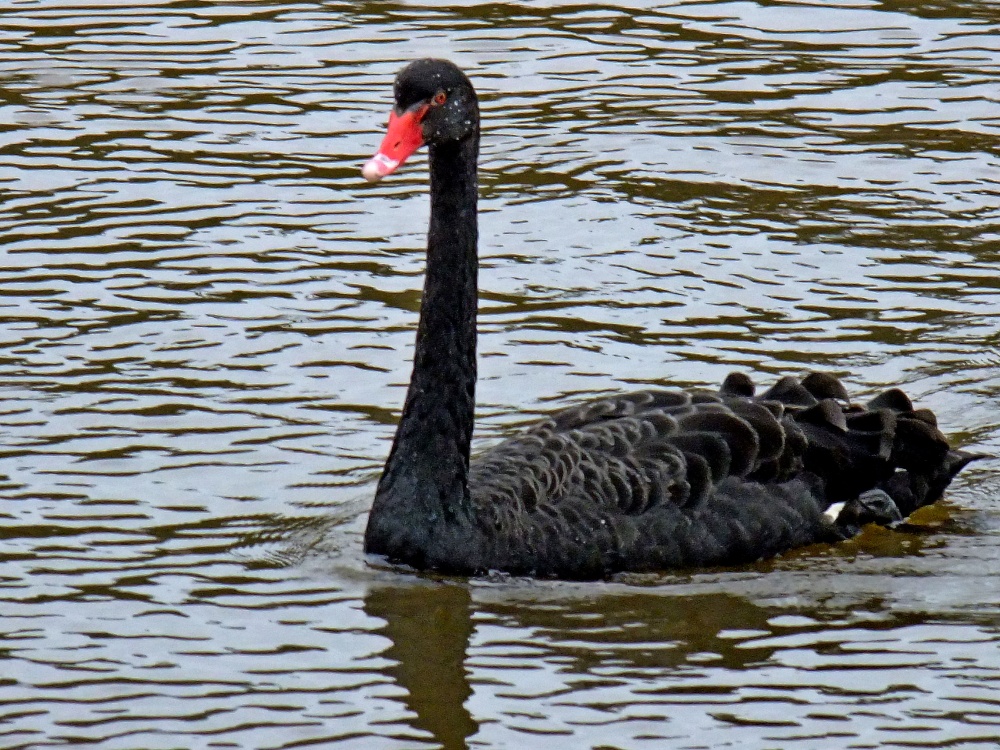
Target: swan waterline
column 647, row 481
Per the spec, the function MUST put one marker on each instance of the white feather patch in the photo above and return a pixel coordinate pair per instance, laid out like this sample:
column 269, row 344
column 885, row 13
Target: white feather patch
column 833, row 512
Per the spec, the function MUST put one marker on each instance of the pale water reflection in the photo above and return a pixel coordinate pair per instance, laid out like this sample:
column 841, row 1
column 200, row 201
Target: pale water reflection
column 207, row 320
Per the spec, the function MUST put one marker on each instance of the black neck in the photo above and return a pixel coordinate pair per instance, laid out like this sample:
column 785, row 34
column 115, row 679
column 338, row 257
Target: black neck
column 426, row 475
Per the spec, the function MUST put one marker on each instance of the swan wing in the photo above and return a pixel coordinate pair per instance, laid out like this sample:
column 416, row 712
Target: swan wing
column 665, row 478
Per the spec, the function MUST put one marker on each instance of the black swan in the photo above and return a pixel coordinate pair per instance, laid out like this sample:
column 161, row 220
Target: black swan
column 645, row 481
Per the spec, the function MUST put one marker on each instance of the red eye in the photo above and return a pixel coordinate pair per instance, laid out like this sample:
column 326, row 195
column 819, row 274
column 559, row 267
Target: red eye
column 440, row 98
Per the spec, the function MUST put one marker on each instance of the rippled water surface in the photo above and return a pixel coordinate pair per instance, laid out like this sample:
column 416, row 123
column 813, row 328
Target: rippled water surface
column 207, row 320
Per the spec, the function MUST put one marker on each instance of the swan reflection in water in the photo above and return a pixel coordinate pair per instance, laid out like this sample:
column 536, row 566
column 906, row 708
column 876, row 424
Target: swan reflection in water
column 524, row 650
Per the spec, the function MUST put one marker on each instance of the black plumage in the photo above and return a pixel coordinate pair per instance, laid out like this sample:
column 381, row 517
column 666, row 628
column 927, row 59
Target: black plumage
column 643, row 481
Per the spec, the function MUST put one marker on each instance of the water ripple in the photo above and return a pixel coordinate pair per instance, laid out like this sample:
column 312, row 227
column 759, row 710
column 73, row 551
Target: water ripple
column 207, row 324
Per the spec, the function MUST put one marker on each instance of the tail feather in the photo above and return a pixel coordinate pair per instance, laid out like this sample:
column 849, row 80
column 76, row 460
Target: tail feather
column 911, row 490
column 886, row 449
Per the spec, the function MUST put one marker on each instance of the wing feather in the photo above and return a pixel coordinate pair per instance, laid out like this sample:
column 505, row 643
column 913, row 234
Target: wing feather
column 665, row 478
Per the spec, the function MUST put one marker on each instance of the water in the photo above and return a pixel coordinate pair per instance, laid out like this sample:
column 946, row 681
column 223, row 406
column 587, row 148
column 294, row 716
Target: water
column 207, row 320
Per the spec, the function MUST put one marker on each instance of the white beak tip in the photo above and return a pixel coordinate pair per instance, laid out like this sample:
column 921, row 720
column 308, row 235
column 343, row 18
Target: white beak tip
column 378, row 167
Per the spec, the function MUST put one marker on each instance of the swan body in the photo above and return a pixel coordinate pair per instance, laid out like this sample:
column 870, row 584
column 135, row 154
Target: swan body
column 644, row 481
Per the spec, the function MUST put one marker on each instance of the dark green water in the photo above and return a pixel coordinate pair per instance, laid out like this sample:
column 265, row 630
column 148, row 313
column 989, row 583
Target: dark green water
column 206, row 320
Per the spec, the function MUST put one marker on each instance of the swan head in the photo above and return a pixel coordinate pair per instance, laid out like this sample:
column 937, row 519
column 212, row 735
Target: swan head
column 434, row 104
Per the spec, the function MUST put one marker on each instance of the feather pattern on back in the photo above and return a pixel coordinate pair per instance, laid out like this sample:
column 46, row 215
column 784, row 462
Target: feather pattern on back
column 663, row 479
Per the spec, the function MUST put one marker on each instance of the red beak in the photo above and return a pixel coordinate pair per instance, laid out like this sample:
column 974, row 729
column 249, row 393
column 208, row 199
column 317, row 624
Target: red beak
column 402, row 139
